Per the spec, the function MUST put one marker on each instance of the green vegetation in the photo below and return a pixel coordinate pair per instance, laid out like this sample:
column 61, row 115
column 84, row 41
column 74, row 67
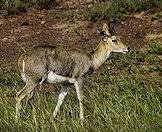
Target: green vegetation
column 15, row 6
column 155, row 48
column 126, row 98
column 110, row 9
column 117, row 9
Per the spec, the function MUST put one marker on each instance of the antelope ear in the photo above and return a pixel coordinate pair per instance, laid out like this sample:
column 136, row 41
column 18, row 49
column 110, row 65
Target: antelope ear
column 105, row 28
column 101, row 32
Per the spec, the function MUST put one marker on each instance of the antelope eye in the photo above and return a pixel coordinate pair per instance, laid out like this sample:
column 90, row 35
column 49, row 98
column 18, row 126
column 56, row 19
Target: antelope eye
column 115, row 41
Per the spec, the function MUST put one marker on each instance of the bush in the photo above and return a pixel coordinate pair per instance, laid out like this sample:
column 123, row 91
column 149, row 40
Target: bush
column 15, row 6
column 12, row 6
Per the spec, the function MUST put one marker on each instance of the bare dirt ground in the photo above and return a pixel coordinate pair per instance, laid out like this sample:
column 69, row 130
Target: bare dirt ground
column 19, row 33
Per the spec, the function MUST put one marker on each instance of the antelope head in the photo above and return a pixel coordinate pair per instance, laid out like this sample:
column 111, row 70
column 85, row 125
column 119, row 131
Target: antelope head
column 114, row 43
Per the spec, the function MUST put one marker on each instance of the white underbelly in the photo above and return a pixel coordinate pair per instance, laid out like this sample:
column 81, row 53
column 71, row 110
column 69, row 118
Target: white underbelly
column 54, row 78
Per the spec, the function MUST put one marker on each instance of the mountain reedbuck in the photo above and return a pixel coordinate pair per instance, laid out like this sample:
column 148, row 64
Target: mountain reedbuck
column 59, row 65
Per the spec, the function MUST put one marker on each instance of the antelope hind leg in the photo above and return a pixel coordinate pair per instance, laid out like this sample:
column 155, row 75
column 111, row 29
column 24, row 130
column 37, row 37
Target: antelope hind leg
column 29, row 96
column 26, row 91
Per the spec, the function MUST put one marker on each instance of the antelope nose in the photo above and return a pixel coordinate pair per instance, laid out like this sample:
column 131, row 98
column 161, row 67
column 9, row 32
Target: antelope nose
column 126, row 49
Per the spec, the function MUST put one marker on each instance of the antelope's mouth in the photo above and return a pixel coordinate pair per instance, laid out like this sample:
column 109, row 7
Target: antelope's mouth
column 125, row 50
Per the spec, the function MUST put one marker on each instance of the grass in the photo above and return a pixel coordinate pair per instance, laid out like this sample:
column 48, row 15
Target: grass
column 17, row 6
column 126, row 98
column 109, row 9
column 116, row 9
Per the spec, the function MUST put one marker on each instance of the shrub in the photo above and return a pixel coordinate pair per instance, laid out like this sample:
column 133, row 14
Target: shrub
column 15, row 6
column 12, row 6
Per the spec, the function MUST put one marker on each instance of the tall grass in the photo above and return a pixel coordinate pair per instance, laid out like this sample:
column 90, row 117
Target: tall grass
column 126, row 98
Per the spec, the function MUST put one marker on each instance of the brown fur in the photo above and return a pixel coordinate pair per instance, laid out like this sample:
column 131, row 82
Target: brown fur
column 64, row 62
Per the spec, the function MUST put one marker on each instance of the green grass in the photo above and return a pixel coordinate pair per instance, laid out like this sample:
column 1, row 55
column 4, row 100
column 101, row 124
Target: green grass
column 109, row 9
column 116, row 9
column 17, row 6
column 128, row 97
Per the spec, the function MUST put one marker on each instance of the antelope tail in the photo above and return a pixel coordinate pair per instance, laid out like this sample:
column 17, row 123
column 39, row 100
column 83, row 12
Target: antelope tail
column 23, row 66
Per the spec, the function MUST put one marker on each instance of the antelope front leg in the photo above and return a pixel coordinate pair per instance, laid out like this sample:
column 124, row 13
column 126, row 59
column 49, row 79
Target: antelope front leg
column 78, row 85
column 61, row 98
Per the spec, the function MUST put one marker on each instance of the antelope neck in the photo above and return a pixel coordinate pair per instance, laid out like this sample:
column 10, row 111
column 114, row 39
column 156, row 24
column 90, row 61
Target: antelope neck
column 100, row 55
